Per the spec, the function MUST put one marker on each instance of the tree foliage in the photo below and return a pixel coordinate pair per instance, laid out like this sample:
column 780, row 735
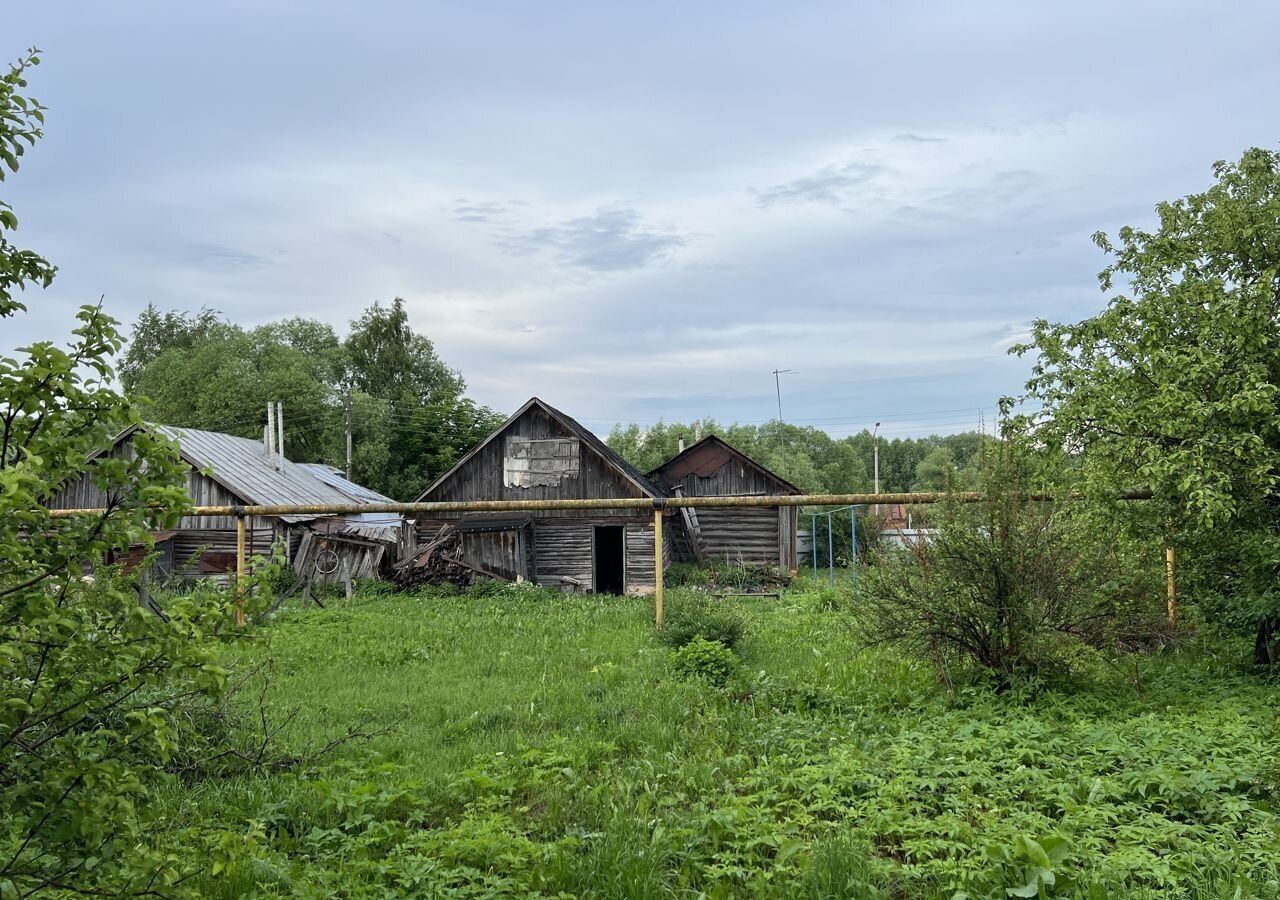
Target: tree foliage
column 410, row 418
column 1174, row 385
column 90, row 684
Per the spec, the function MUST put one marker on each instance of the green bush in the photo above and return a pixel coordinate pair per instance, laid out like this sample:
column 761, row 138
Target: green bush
column 711, row 661
column 692, row 617
column 1012, row 585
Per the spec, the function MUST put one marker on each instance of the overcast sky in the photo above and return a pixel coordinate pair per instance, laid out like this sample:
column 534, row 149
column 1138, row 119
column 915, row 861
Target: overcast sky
column 633, row 210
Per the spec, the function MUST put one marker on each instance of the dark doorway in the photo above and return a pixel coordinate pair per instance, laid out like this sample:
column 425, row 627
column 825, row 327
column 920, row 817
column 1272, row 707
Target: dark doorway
column 610, row 563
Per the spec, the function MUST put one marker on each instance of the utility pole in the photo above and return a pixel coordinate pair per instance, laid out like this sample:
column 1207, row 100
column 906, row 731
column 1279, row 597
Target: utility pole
column 348, row 434
column 777, row 384
column 875, row 454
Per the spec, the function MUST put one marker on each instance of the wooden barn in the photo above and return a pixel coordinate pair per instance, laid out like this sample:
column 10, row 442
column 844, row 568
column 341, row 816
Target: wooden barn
column 762, row 536
column 542, row 454
column 223, row 471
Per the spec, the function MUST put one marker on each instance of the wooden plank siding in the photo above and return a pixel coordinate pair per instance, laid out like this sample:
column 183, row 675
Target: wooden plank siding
column 504, row 553
column 482, row 476
column 202, row 545
column 740, row 536
column 559, row 550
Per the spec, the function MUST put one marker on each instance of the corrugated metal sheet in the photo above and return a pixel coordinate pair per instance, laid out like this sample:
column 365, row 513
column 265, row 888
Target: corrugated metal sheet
column 242, row 466
column 355, row 493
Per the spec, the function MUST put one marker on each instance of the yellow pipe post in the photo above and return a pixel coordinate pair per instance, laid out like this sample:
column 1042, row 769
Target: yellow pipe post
column 240, row 571
column 657, row 567
column 1169, row 568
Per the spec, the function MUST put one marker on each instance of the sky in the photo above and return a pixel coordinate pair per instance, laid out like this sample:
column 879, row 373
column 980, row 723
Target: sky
column 633, row 210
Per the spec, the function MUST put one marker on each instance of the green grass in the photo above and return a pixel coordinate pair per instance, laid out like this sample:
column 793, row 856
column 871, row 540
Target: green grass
column 544, row 745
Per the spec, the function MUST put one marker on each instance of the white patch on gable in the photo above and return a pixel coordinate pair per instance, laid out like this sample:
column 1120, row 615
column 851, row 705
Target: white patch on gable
column 539, row 463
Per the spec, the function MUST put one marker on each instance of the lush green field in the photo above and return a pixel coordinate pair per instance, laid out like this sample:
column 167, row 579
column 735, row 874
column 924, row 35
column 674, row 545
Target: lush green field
column 544, row 745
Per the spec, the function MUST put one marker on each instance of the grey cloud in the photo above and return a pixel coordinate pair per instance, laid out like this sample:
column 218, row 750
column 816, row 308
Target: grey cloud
column 216, row 256
column 909, row 138
column 830, row 184
column 609, row 240
column 467, row 211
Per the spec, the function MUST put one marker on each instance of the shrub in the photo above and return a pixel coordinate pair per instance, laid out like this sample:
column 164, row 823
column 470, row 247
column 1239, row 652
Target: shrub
column 1013, row 585
column 693, row 617
column 711, row 661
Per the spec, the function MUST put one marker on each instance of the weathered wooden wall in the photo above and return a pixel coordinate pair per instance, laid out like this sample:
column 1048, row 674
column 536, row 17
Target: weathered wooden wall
column 482, row 476
column 357, row 559
column 566, row 549
column 84, row 494
column 501, row 552
column 203, row 545
column 733, row 479
column 562, row 550
column 743, row 535
column 558, row 548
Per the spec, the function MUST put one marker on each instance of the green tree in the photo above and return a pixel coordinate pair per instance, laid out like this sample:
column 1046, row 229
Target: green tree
column 91, row 685
column 223, row 379
column 410, row 419
column 155, row 333
column 1174, row 386
column 387, row 359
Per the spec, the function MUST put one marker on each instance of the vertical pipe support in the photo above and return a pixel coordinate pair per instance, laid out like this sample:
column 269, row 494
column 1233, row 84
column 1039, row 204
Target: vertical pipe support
column 657, row 566
column 1170, row 570
column 240, row 570
column 813, row 545
column 831, row 555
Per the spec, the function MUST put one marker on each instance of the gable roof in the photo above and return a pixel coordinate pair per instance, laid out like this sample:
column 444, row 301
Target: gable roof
column 241, row 466
column 674, row 464
column 628, row 472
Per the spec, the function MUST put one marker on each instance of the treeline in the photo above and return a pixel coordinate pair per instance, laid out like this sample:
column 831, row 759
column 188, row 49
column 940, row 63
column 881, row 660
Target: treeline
column 410, row 416
column 815, row 461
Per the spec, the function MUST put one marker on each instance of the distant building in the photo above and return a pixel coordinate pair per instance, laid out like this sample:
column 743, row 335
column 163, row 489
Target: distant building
column 759, row 536
column 897, row 529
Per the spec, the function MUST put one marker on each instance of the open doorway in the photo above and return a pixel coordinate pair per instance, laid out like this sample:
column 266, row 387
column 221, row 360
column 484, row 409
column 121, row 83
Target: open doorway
column 609, row 566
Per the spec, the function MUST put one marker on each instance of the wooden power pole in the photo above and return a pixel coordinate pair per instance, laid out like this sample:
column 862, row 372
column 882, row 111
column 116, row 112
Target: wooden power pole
column 348, row 434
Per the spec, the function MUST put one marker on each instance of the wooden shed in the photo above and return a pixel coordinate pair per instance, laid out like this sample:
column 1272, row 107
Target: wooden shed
column 223, row 471
column 737, row 535
column 542, row 454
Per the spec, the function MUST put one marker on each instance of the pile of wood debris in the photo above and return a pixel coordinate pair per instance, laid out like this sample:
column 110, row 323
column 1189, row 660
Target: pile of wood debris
column 439, row 562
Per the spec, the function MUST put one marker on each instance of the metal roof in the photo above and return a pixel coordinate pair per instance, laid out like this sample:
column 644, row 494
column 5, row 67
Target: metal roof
column 356, row 493
column 241, row 465
column 659, row 473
